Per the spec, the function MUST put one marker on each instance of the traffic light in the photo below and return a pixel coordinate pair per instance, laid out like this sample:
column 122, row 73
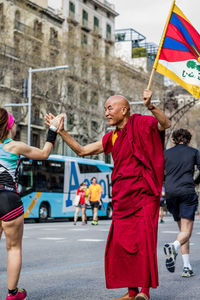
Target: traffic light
column 25, row 88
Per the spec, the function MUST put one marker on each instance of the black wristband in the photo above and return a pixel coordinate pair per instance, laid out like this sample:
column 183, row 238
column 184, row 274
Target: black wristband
column 51, row 136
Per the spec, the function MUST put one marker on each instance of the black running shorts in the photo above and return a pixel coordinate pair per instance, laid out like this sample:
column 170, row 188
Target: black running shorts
column 183, row 206
column 11, row 206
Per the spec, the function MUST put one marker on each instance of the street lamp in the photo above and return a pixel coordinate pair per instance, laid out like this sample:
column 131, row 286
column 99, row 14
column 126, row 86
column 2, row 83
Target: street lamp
column 30, row 93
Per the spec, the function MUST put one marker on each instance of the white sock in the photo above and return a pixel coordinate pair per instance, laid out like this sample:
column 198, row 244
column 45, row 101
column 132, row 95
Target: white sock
column 177, row 245
column 186, row 261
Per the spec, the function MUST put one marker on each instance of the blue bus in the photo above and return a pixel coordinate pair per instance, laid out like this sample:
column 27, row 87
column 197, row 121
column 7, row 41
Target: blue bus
column 48, row 187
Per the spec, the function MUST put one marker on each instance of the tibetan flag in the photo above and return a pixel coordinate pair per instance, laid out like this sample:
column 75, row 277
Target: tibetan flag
column 178, row 55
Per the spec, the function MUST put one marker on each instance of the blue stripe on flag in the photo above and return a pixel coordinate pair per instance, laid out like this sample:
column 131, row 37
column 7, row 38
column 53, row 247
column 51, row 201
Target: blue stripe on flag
column 177, row 22
column 170, row 43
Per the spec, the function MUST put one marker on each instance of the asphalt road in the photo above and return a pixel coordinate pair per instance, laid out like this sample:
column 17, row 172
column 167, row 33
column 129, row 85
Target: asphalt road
column 63, row 261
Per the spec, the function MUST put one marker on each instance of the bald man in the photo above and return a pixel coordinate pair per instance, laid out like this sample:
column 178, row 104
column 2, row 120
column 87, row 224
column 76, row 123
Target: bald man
column 137, row 177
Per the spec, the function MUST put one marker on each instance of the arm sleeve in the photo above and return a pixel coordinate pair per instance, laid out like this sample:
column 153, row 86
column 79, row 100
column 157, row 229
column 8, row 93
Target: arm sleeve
column 107, row 142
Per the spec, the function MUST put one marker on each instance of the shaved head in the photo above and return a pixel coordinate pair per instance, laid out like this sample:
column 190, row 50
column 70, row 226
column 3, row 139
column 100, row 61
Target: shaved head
column 117, row 111
column 120, row 100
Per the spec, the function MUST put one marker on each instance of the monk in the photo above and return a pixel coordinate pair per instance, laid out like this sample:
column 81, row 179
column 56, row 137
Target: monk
column 137, row 150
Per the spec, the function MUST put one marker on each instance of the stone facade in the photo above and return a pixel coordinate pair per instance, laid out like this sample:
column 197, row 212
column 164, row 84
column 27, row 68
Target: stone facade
column 81, row 34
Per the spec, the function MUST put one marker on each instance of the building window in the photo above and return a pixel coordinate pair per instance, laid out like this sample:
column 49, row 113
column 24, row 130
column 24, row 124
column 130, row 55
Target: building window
column 84, row 67
column 35, row 141
column 83, row 98
column 53, row 36
column 108, row 31
column 84, row 40
column 95, row 46
column 1, row 77
column 108, row 75
column 71, row 10
column 94, row 126
column 84, row 18
column 17, row 19
column 107, row 51
column 38, row 29
column 96, row 24
column 70, row 121
column 94, row 100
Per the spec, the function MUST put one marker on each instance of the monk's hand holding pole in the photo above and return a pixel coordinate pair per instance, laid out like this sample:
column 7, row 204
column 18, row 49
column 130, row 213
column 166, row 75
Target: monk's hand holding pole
column 163, row 121
column 147, row 94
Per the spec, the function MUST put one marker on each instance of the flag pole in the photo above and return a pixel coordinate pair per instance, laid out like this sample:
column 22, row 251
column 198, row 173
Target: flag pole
column 160, row 45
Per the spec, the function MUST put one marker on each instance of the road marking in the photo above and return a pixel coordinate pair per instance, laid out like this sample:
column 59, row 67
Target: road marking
column 168, row 231
column 90, row 240
column 59, row 268
column 51, row 238
column 197, row 232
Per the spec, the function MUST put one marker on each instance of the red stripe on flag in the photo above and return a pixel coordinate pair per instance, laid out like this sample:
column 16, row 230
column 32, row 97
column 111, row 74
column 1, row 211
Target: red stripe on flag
column 172, row 55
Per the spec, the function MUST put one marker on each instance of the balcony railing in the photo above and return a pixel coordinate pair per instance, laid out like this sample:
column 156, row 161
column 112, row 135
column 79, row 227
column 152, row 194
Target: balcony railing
column 55, row 43
column 37, row 121
column 7, row 50
column 28, row 30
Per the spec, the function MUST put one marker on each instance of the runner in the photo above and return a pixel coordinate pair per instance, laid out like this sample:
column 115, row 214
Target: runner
column 181, row 198
column 11, row 207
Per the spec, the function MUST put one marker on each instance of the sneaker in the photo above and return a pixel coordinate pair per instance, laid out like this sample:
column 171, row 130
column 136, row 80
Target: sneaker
column 21, row 295
column 93, row 222
column 171, row 254
column 162, row 221
column 74, row 223
column 187, row 272
column 83, row 223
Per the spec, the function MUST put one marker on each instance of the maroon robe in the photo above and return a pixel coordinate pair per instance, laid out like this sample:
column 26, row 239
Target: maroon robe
column 130, row 257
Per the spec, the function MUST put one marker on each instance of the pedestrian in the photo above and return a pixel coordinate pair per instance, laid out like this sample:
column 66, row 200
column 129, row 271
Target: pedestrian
column 81, row 205
column 11, row 207
column 181, row 198
column 137, row 178
column 162, row 205
column 95, row 191
column 86, row 200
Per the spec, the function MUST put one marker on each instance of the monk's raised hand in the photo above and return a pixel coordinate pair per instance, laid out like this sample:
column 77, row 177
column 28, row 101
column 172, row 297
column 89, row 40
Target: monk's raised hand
column 61, row 125
column 147, row 94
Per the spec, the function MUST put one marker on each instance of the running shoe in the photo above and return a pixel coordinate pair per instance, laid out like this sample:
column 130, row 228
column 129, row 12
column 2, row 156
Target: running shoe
column 21, row 295
column 74, row 223
column 187, row 272
column 171, row 254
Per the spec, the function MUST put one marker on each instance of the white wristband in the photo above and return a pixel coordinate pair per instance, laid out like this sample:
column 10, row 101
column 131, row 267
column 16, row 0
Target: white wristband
column 53, row 128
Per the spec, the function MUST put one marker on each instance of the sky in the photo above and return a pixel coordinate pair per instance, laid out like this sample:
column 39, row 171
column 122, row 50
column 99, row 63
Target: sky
column 149, row 16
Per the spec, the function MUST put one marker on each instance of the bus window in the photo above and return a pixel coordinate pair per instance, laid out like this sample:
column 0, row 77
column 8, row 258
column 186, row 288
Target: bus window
column 49, row 176
column 84, row 168
column 25, row 179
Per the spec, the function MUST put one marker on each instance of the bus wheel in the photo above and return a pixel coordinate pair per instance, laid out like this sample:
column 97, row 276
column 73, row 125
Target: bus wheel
column 43, row 212
column 109, row 211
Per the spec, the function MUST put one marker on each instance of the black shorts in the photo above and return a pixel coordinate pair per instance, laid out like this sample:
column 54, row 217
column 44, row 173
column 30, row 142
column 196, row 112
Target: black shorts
column 183, row 206
column 11, row 206
column 94, row 204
